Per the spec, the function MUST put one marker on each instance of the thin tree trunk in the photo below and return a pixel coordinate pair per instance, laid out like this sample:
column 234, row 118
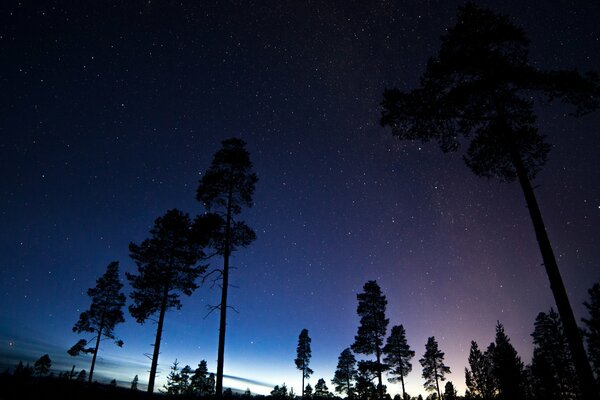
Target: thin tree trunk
column 582, row 365
column 350, row 394
column 302, row 383
column 223, row 306
column 159, row 328
column 380, row 388
column 100, row 329
column 437, row 385
column 403, row 391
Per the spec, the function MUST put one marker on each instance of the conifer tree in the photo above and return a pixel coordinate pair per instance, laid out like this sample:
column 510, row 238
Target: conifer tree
column 173, row 384
column 42, row 365
column 449, row 391
column 167, row 267
column 507, row 367
column 345, row 373
column 200, row 381
column 308, row 391
column 398, row 355
column 373, row 326
column 226, row 187
column 482, row 87
column 434, row 369
column 105, row 312
column 321, row 390
column 480, row 380
column 303, row 354
column 552, row 372
column 134, row 383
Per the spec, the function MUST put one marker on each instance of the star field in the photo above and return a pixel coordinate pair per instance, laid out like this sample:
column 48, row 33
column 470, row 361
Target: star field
column 111, row 112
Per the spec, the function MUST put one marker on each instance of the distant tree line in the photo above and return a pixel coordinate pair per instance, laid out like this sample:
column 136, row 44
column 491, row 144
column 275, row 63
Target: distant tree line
column 497, row 373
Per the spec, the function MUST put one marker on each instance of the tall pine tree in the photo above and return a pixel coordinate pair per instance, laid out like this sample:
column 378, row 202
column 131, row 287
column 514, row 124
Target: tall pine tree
column 226, row 187
column 105, row 312
column 167, row 264
column 303, row 354
column 373, row 326
column 434, row 369
column 482, row 87
column 398, row 355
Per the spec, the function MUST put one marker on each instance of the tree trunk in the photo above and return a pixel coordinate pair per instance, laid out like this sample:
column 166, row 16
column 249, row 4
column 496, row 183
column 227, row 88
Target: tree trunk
column 161, row 320
column 403, row 390
column 223, row 306
column 582, row 365
column 302, row 393
column 380, row 388
column 437, row 385
column 100, row 329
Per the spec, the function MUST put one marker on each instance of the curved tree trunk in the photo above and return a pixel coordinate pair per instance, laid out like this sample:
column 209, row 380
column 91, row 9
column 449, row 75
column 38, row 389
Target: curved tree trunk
column 159, row 328
column 100, row 329
column 582, row 365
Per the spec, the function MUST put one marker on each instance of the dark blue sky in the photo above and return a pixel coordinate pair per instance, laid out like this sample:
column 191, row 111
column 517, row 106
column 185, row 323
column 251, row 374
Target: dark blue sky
column 110, row 111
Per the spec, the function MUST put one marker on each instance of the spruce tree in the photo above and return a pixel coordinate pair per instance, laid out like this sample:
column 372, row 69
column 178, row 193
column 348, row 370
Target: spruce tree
column 480, row 380
column 105, row 312
column 552, row 372
column 373, row 326
column 481, row 87
column 226, row 187
column 345, row 373
column 398, row 355
column 303, row 354
column 167, row 266
column 507, row 367
column 434, row 369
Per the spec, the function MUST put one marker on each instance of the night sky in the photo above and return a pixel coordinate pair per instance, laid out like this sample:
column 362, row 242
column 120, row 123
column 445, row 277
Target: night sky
column 111, row 111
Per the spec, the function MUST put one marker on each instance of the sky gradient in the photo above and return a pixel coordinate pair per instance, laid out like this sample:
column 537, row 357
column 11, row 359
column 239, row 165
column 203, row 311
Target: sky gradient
column 111, row 112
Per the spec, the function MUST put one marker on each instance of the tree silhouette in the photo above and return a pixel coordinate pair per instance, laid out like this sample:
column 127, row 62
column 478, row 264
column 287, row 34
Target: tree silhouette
column 321, row 390
column 482, row 87
column 134, row 383
column 166, row 265
column 174, row 379
column 552, row 371
column 507, row 367
column 434, row 369
column 592, row 327
column 398, row 355
column 201, row 382
column 480, row 380
column 373, row 325
column 449, row 391
column 367, row 373
column 308, row 391
column 345, row 373
column 42, row 366
column 226, row 187
column 105, row 312
column 303, row 354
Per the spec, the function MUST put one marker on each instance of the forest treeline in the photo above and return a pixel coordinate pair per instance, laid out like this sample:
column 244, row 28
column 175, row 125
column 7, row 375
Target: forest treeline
column 480, row 90
column 494, row 372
